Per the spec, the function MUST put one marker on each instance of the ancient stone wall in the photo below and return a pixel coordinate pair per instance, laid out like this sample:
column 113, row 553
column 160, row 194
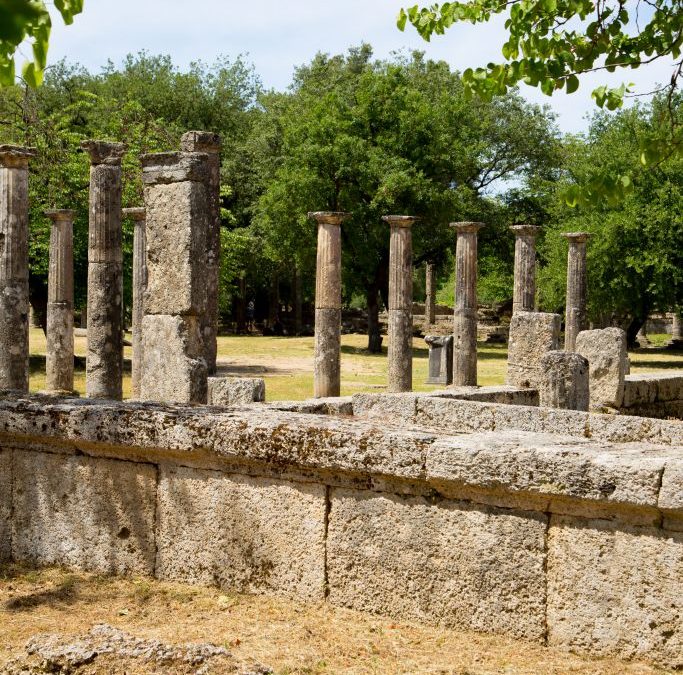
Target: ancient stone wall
column 657, row 395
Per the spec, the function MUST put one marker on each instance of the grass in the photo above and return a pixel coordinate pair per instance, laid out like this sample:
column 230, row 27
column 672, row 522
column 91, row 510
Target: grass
column 287, row 363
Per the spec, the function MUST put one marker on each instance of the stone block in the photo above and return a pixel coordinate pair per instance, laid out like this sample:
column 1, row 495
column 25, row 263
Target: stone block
column 440, row 359
column 444, row 561
column 228, row 391
column 669, row 387
column 253, row 535
column 394, row 407
column 615, row 590
column 453, row 416
column 5, row 505
column 639, row 390
column 564, row 382
column 607, row 359
column 174, row 167
column 173, row 365
column 177, row 222
column 532, row 334
column 14, row 347
column 94, row 514
column 504, row 394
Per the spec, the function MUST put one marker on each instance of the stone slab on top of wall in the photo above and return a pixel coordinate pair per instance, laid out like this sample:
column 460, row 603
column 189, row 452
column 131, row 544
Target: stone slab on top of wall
column 227, row 391
column 5, row 505
column 607, row 357
column 532, row 335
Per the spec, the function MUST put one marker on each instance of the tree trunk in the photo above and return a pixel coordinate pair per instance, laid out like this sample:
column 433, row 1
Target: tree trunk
column 374, row 336
column 274, row 301
column 37, row 294
column 633, row 330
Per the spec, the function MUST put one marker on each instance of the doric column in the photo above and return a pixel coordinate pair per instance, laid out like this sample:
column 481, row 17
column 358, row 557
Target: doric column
column 59, row 362
column 575, row 320
column 104, row 365
column 524, row 294
column 430, row 294
column 210, row 143
column 326, row 364
column 14, row 266
column 139, row 288
column 465, row 317
column 677, row 330
column 400, row 303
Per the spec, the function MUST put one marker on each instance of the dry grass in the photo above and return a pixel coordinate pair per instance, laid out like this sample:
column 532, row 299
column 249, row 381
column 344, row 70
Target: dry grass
column 288, row 636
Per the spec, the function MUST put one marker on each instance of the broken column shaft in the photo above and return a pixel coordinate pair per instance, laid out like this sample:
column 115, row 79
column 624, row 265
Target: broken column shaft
column 575, row 319
column 524, row 293
column 430, row 294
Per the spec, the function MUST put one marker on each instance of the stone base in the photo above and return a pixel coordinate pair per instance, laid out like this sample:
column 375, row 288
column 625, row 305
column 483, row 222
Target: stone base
column 227, row 391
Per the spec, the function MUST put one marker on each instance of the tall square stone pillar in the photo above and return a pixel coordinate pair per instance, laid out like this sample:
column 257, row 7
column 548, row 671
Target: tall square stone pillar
column 177, row 208
column 14, row 308
column 524, row 294
column 465, row 316
column 577, row 288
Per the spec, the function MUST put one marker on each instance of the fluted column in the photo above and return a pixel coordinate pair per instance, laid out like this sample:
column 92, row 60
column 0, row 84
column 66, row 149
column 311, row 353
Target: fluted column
column 14, row 266
column 59, row 361
column 677, row 330
column 465, row 316
column 327, row 363
column 524, row 294
column 210, row 143
column 400, row 303
column 577, row 290
column 430, row 294
column 139, row 288
column 104, row 364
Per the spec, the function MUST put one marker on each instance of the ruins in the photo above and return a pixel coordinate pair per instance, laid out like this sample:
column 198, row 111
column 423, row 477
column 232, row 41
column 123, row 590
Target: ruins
column 577, row 287
column 524, row 289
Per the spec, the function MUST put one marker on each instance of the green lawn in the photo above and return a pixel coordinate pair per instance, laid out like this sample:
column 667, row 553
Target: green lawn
column 287, row 364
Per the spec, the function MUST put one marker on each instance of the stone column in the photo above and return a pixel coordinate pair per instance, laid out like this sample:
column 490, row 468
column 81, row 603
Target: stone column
column 575, row 319
column 210, row 143
column 139, row 288
column 59, row 362
column 430, row 295
column 326, row 364
column 104, row 364
column 465, row 317
column 400, row 303
column 178, row 213
column 524, row 295
column 14, row 307
column 677, row 330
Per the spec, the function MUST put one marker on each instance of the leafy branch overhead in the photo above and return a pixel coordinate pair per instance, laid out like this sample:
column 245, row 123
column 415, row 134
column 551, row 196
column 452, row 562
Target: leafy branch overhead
column 29, row 20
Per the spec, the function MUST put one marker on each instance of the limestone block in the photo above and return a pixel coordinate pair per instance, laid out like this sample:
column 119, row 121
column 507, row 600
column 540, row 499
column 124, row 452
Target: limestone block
column 174, row 167
column 453, row 416
column 669, row 386
column 5, row 505
column 94, row 514
column 253, row 535
column 607, row 358
column 440, row 359
column 615, row 590
column 445, row 562
column 177, row 222
column 504, row 394
column 173, row 365
column 394, row 407
column 564, row 382
column 532, row 334
column 639, row 390
column 236, row 390
column 14, row 335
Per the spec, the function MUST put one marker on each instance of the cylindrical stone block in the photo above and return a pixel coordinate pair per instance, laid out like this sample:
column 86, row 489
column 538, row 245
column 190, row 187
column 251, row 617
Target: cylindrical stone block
column 524, row 293
column 210, row 143
column 564, row 381
column 400, row 303
column 59, row 360
column 465, row 316
column 430, row 294
column 326, row 359
column 14, row 306
column 577, row 288
column 104, row 364
column 139, row 288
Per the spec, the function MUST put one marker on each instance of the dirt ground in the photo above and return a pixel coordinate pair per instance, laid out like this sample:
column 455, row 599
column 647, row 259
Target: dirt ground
column 261, row 634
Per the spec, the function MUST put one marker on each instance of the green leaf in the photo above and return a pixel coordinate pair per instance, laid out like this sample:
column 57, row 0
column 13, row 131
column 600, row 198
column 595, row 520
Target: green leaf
column 572, row 84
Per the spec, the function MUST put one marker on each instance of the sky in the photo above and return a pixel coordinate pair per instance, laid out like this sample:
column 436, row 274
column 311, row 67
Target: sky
column 278, row 35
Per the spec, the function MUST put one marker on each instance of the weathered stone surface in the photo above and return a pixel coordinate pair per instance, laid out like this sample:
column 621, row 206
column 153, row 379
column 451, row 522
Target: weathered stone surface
column 236, row 390
column 327, row 353
column 577, row 288
column 5, row 505
column 254, row 535
column 532, row 334
column 176, row 229
column 173, row 369
column 615, row 590
column 400, row 353
column 565, row 381
column 59, row 358
column 641, row 390
column 524, row 293
column 440, row 359
column 395, row 407
column 338, row 405
column 174, row 167
column 442, row 561
column 430, row 294
column 493, row 394
column 14, row 347
column 607, row 359
column 94, row 514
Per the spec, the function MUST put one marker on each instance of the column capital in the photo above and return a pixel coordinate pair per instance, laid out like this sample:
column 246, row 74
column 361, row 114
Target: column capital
column 16, row 156
column 466, row 227
column 136, row 213
column 103, row 152
column 60, row 215
column 200, row 141
column 400, row 221
column 328, row 217
column 576, row 237
column 521, row 230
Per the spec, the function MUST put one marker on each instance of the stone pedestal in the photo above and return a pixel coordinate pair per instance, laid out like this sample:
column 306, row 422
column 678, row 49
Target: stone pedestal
column 210, row 143
column 139, row 287
column 577, row 291
column 400, row 303
column 430, row 295
column 177, row 222
column 104, row 364
column 465, row 316
column 565, row 381
column 440, row 359
column 524, row 294
column 532, row 335
column 14, row 307
column 59, row 361
column 327, row 363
